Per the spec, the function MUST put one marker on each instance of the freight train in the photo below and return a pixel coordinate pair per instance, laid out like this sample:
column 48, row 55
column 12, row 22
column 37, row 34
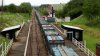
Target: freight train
column 55, row 43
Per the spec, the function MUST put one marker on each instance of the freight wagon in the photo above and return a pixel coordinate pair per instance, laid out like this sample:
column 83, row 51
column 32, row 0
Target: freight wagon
column 51, row 32
column 62, row 51
column 55, row 40
column 47, row 27
column 52, row 37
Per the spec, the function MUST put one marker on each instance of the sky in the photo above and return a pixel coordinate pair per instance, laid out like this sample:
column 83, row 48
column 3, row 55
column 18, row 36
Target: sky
column 34, row 2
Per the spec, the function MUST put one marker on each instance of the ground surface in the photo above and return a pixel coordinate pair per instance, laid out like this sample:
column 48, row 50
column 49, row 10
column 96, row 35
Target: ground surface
column 18, row 47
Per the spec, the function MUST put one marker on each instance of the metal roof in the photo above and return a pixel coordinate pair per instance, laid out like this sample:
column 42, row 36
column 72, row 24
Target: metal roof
column 73, row 27
column 11, row 28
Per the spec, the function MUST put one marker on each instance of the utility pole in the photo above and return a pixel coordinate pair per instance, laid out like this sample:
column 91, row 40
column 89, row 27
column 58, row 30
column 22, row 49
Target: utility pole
column 2, row 10
column 2, row 5
column 52, row 12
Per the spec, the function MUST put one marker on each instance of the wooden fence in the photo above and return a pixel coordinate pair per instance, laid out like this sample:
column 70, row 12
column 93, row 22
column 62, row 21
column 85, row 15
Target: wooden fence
column 4, row 48
column 83, row 47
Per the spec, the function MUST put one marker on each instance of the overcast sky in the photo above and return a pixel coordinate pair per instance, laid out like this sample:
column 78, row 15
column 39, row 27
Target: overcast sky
column 34, row 2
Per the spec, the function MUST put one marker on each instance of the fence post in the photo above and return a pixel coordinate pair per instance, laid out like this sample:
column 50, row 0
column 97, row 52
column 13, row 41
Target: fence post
column 2, row 49
column 88, row 51
column 65, row 32
column 85, row 46
column 5, row 49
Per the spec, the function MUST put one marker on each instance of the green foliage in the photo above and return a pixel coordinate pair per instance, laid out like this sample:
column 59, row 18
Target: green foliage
column 5, row 8
column 26, row 7
column 23, row 8
column 12, row 19
column 12, row 8
column 2, row 22
column 59, row 14
column 44, row 6
column 42, row 9
column 91, row 10
column 3, row 40
column 73, row 8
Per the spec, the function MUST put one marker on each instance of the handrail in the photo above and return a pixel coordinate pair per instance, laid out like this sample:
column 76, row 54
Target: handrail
column 20, row 28
column 5, row 48
column 82, row 47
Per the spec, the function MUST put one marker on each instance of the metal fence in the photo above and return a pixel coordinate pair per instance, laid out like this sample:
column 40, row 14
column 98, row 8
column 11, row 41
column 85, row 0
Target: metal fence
column 83, row 47
column 4, row 48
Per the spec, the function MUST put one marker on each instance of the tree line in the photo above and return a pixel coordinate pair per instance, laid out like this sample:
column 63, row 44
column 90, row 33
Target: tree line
column 12, row 8
column 88, row 8
column 42, row 9
column 72, row 9
column 22, row 8
column 75, row 8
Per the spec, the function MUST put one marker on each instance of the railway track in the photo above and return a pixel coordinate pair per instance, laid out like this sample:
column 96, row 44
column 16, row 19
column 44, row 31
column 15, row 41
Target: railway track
column 35, row 42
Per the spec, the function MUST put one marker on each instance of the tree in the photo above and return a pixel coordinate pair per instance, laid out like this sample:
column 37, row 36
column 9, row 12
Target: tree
column 26, row 7
column 73, row 8
column 5, row 8
column 43, row 11
column 59, row 14
column 12, row 8
column 91, row 8
column 0, row 8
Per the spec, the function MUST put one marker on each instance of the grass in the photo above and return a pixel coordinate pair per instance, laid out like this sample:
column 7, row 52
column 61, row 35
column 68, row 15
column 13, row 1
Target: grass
column 15, row 18
column 3, row 40
column 91, row 34
column 12, row 19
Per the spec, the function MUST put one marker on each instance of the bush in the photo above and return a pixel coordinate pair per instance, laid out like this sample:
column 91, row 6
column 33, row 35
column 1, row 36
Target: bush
column 91, row 10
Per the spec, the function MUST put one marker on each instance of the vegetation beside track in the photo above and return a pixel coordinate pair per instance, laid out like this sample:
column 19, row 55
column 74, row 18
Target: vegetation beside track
column 12, row 19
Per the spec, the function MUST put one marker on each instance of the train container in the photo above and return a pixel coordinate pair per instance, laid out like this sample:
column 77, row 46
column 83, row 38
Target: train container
column 47, row 27
column 55, row 51
column 69, row 51
column 51, row 32
column 61, row 50
column 43, row 22
column 55, row 40
column 50, row 19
